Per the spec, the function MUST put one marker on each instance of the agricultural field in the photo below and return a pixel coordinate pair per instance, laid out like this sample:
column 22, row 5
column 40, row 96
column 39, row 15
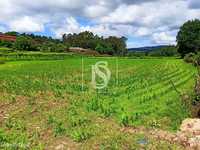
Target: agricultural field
column 52, row 105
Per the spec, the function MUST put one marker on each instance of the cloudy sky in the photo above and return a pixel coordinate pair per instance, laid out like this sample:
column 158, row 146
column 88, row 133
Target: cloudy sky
column 144, row 22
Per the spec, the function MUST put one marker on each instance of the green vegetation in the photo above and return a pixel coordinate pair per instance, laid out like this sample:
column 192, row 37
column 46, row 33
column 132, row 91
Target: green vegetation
column 111, row 45
column 47, row 100
column 30, row 42
column 167, row 51
column 6, row 44
column 43, row 102
column 188, row 37
column 36, row 56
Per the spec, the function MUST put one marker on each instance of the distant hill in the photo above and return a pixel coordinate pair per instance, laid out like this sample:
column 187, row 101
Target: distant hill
column 147, row 49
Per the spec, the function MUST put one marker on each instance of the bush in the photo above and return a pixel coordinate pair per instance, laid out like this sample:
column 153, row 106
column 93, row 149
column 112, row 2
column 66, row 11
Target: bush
column 190, row 58
column 197, row 59
column 5, row 50
column 3, row 138
column 81, row 134
column 25, row 43
column 6, row 44
column 2, row 60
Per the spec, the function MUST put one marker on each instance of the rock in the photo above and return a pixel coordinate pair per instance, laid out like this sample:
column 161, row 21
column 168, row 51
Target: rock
column 60, row 147
column 195, row 142
column 191, row 127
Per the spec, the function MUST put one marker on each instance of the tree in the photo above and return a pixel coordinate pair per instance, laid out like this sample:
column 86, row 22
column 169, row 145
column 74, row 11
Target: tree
column 99, row 48
column 88, row 40
column 12, row 33
column 118, row 44
column 164, row 51
column 4, row 43
column 188, row 38
column 25, row 44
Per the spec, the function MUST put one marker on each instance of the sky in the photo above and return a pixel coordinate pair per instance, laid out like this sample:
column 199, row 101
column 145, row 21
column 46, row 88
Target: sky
column 143, row 22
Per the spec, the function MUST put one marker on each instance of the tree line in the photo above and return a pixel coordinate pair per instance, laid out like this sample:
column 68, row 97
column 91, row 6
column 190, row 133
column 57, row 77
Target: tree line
column 30, row 42
column 164, row 51
column 112, row 45
column 188, row 41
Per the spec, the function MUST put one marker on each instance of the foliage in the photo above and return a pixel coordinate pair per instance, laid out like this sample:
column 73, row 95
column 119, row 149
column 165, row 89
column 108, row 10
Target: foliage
column 12, row 33
column 63, row 111
column 118, row 44
column 167, row 51
column 24, row 43
column 2, row 60
column 193, row 58
column 30, row 42
column 36, row 56
column 80, row 135
column 111, row 45
column 137, row 54
column 53, row 47
column 5, row 50
column 188, row 38
column 190, row 58
column 7, row 44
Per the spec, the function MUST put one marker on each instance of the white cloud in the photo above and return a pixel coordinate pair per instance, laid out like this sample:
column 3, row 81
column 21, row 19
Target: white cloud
column 96, row 11
column 157, row 20
column 143, row 31
column 150, row 14
column 72, row 26
column 164, row 38
column 26, row 24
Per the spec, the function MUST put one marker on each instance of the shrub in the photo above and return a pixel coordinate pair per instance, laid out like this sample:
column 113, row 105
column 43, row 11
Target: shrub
column 6, row 44
column 124, row 120
column 3, row 138
column 2, row 60
column 59, row 129
column 197, row 59
column 190, row 58
column 81, row 134
column 25, row 43
column 197, row 91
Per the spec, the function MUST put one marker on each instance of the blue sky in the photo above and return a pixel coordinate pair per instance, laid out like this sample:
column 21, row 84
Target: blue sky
column 143, row 22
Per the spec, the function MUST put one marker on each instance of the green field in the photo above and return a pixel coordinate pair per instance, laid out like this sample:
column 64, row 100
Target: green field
column 45, row 103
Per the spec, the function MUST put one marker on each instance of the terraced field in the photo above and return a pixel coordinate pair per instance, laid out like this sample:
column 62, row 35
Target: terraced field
column 46, row 103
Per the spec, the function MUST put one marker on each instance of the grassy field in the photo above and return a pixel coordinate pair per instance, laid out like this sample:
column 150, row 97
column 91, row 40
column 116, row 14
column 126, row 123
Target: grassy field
column 47, row 103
